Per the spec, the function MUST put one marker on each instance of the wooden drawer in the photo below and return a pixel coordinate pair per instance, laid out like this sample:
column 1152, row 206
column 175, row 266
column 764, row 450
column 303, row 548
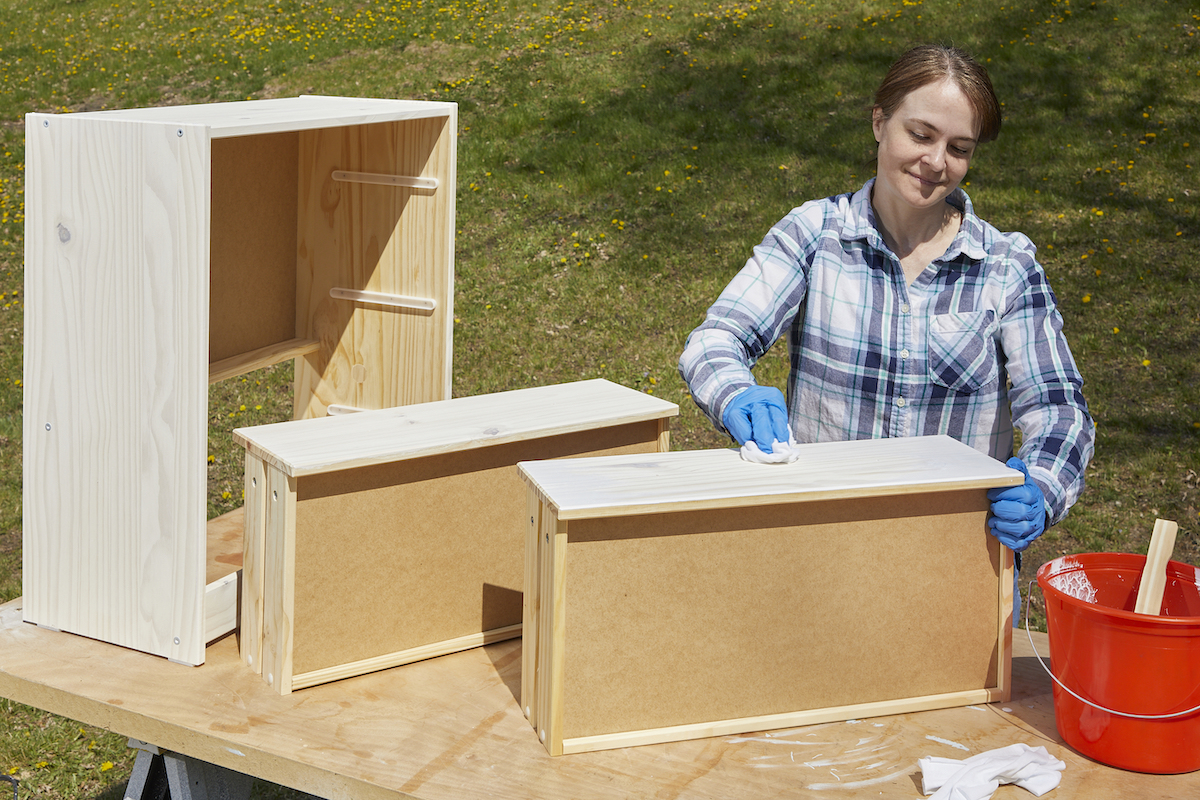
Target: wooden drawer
column 692, row 594
column 385, row 537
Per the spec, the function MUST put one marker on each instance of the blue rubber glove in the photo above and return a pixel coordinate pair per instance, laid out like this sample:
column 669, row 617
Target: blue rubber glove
column 1018, row 512
column 759, row 413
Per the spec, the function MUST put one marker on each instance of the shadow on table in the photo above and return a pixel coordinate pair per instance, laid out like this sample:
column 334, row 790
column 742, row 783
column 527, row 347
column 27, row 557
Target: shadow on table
column 506, row 658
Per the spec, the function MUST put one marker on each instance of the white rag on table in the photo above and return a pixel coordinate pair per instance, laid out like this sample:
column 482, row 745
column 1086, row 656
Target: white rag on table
column 781, row 452
column 978, row 777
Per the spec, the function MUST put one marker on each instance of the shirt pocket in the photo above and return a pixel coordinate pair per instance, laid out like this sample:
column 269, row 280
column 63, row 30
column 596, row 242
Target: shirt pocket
column 962, row 351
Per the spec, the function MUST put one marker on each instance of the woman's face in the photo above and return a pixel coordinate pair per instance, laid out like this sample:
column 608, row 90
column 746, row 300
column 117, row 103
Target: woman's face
column 925, row 147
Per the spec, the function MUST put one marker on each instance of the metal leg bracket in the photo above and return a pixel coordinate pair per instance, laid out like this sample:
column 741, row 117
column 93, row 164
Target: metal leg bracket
column 163, row 775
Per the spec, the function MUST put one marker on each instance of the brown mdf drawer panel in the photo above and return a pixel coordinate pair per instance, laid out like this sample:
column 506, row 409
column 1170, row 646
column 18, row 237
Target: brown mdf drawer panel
column 693, row 594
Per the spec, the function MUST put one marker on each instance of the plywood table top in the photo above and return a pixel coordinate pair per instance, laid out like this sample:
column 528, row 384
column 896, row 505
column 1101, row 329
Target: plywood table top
column 451, row 728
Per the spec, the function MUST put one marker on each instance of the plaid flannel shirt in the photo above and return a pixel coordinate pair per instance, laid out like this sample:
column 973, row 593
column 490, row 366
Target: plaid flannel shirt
column 973, row 348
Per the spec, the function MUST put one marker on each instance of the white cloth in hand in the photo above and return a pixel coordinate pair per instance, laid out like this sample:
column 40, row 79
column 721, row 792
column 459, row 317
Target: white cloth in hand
column 978, row 777
column 781, row 452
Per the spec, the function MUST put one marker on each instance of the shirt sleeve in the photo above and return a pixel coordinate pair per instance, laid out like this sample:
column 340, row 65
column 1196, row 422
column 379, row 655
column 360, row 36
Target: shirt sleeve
column 1046, row 395
column 753, row 311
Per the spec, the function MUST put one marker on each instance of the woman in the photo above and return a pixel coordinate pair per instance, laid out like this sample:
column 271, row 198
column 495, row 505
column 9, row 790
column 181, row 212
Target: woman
column 906, row 314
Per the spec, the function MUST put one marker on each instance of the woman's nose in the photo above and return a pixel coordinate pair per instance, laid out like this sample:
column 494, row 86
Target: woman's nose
column 935, row 156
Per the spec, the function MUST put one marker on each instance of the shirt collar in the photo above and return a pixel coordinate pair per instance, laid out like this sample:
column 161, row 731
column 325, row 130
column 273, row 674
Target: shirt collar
column 860, row 224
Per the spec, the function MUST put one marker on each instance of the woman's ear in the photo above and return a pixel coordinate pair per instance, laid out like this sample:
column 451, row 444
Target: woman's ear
column 877, row 121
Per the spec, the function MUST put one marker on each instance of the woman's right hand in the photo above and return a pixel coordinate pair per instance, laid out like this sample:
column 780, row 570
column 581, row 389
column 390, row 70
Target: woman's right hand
column 758, row 413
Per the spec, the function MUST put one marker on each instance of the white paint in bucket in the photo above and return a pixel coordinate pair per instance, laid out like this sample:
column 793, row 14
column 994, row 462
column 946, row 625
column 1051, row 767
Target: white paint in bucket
column 1067, row 575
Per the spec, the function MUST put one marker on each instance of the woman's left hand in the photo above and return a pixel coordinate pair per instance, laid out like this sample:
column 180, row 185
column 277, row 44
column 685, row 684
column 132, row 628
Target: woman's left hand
column 1018, row 512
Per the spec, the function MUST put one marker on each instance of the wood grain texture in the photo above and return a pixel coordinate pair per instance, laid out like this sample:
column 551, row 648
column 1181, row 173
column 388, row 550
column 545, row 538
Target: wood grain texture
column 384, row 239
column 224, row 545
column 308, row 447
column 450, row 728
column 279, row 580
column 254, row 561
column 221, row 606
column 1154, row 574
column 116, row 381
column 263, row 357
column 699, row 479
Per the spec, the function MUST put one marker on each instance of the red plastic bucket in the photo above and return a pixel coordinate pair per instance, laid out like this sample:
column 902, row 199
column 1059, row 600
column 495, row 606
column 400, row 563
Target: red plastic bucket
column 1124, row 662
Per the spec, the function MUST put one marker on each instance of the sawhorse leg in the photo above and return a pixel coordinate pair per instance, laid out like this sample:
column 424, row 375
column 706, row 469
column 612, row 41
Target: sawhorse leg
column 163, row 775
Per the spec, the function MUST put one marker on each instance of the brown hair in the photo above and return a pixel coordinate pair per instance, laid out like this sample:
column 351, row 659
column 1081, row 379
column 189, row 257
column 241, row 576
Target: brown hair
column 931, row 63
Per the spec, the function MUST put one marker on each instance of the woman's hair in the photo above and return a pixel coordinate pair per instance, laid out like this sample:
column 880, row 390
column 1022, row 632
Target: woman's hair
column 932, row 63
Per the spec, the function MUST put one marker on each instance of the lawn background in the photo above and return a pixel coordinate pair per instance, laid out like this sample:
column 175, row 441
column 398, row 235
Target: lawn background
column 616, row 163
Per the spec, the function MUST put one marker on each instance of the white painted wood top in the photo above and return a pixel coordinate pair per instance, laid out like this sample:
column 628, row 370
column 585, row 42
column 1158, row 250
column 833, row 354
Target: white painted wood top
column 306, row 112
column 325, row 444
column 610, row 486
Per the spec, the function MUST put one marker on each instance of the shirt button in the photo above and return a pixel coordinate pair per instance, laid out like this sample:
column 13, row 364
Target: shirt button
column 904, row 308
column 904, row 353
column 899, row 402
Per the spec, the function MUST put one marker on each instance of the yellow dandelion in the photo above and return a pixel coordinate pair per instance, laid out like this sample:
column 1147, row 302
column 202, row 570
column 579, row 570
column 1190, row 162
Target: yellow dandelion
column 1145, row 362
column 1087, row 298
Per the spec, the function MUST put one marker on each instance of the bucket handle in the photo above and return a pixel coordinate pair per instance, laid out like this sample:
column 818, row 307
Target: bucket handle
column 1028, row 600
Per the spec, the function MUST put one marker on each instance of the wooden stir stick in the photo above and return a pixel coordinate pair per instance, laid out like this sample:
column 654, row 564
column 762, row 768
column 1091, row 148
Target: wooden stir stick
column 1154, row 574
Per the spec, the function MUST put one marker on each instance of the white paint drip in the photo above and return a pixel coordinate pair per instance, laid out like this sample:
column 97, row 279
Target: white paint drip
column 862, row 758
column 816, row 787
column 940, row 740
column 741, row 739
column 236, row 752
column 1067, row 576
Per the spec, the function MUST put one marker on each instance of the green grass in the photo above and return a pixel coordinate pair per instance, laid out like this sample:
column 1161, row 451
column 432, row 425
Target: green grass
column 617, row 161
